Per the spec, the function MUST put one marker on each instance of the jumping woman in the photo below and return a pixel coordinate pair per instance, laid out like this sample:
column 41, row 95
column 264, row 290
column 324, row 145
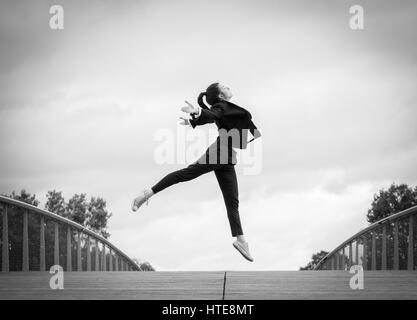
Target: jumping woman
column 220, row 157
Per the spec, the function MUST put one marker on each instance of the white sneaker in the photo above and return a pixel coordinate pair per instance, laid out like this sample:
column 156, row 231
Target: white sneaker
column 243, row 248
column 141, row 199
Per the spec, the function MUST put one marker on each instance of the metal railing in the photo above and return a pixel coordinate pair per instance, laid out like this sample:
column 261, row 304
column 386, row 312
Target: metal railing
column 388, row 244
column 32, row 239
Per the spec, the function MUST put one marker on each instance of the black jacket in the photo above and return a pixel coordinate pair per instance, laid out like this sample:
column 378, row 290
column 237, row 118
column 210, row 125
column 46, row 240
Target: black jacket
column 231, row 119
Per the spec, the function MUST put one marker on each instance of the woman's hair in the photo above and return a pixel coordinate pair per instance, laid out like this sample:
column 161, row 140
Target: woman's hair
column 212, row 95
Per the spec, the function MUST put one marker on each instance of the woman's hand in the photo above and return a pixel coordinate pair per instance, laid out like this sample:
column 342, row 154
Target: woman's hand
column 185, row 122
column 189, row 108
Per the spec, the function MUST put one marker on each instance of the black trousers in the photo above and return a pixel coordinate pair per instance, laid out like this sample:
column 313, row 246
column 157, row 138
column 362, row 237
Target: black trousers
column 226, row 177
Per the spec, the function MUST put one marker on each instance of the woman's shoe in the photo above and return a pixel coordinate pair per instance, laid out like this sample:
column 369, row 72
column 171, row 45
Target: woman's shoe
column 141, row 199
column 243, row 248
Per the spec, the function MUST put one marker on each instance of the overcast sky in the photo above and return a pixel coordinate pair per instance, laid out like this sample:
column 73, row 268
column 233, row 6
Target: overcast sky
column 80, row 109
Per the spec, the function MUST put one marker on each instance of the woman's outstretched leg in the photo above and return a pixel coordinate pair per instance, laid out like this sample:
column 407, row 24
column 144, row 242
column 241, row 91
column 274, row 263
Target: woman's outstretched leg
column 192, row 171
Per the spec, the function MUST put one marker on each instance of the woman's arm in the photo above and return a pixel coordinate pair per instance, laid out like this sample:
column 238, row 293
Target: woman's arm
column 215, row 113
column 201, row 104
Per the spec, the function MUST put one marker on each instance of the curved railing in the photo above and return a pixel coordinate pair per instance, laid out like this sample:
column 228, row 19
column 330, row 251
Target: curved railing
column 32, row 239
column 388, row 244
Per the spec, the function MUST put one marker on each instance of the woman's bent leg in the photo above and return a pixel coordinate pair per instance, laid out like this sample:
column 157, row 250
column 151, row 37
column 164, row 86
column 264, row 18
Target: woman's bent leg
column 226, row 176
column 191, row 172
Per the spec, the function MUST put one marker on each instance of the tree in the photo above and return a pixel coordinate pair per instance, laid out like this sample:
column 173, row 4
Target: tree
column 315, row 259
column 143, row 265
column 92, row 214
column 146, row 266
column 55, row 203
column 76, row 209
column 387, row 202
column 24, row 196
column 98, row 216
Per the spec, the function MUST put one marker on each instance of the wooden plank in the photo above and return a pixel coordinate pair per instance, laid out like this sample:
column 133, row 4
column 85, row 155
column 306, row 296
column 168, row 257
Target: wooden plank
column 307, row 285
column 56, row 244
column 410, row 255
column 396, row 248
column 88, row 254
column 25, row 249
column 69, row 250
column 116, row 262
column 5, row 241
column 239, row 285
column 343, row 259
column 333, row 262
column 79, row 265
column 384, row 247
column 42, row 245
column 373, row 254
column 115, row 285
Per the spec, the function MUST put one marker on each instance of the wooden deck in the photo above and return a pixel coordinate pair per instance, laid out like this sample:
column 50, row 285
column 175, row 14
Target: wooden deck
column 269, row 285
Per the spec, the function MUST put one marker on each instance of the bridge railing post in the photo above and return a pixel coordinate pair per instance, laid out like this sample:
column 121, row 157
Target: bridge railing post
column 97, row 257
column 25, row 248
column 88, row 254
column 365, row 254
column 373, row 254
column 104, row 258
column 79, row 264
column 69, row 249
column 357, row 251
column 350, row 256
column 110, row 260
column 5, row 240
column 384, row 248
column 396, row 246
column 56, row 243
column 410, row 258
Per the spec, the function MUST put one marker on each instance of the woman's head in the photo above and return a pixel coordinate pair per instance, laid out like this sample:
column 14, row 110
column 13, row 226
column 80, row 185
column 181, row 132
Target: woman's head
column 217, row 92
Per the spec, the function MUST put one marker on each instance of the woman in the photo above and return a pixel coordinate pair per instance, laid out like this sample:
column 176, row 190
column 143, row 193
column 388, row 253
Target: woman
column 233, row 123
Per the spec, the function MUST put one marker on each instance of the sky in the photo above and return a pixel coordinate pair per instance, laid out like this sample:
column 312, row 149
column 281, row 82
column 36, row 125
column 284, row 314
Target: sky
column 81, row 109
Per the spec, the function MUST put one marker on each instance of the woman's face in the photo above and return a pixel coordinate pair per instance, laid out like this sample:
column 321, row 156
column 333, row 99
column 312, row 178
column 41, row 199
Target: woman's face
column 225, row 92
